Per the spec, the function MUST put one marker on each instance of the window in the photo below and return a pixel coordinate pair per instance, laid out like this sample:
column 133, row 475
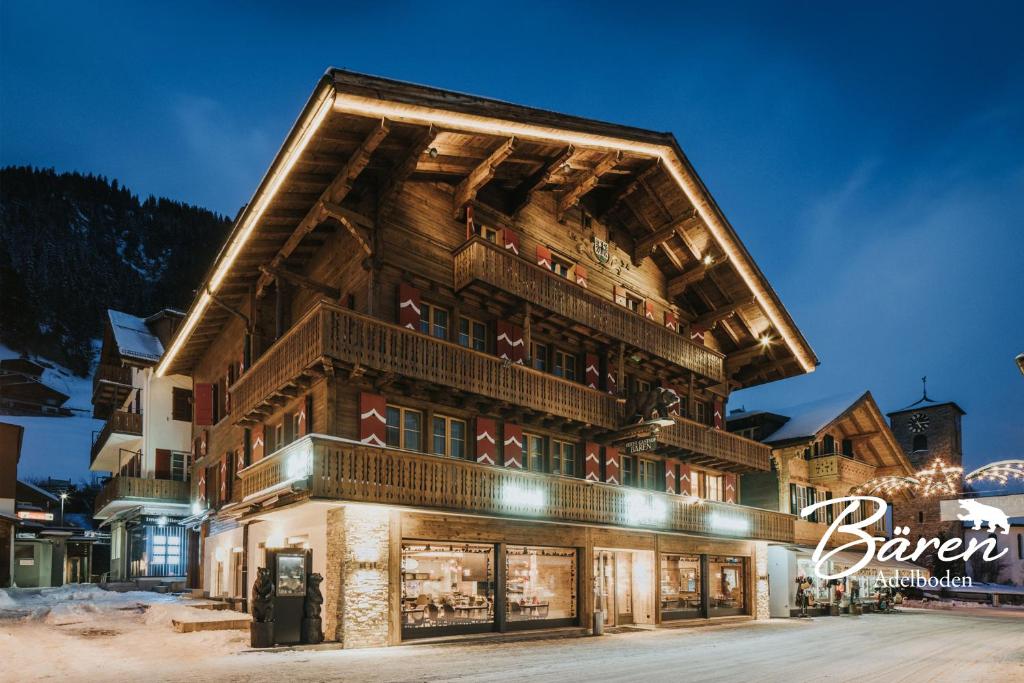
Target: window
column 714, row 489
column 403, row 428
column 701, row 411
column 472, row 334
column 433, row 321
column 726, row 585
column 560, row 267
column 488, row 233
column 642, row 385
column 1020, row 546
column 181, row 404
column 563, row 458
column 920, row 517
column 847, row 447
column 920, row 443
column 449, row 437
column 447, row 586
column 828, row 446
column 533, row 452
column 634, row 303
column 216, row 402
column 295, row 426
column 540, row 356
column 279, row 439
column 540, row 583
column 565, row 365
column 647, row 475
column 680, row 586
column 179, row 466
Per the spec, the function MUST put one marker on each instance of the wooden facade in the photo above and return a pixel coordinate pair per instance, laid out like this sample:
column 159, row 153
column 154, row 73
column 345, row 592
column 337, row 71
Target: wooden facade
column 445, row 305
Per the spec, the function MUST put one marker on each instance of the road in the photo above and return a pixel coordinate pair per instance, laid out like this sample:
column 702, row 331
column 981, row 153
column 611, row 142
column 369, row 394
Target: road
column 914, row 645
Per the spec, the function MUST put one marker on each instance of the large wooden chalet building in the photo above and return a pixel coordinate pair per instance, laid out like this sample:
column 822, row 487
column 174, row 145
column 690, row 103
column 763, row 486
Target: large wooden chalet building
column 421, row 352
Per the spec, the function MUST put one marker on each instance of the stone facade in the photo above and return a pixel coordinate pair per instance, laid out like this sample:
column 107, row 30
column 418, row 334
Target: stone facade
column 762, row 607
column 356, row 601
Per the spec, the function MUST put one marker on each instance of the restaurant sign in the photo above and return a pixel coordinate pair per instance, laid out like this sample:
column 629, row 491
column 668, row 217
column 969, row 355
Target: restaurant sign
column 643, row 445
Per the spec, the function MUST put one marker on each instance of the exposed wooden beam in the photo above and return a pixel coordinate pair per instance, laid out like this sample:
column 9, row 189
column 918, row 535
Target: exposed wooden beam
column 335, row 193
column 481, row 175
column 405, row 168
column 695, row 273
column 738, row 359
column 545, row 175
column 340, row 215
column 644, row 246
column 721, row 313
column 630, row 188
column 301, row 281
column 586, row 183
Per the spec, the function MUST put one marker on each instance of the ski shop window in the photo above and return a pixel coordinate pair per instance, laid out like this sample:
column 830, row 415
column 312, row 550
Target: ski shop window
column 181, row 404
column 563, row 458
column 404, row 427
column 433, row 320
column 449, row 436
column 565, row 365
column 472, row 334
column 534, row 452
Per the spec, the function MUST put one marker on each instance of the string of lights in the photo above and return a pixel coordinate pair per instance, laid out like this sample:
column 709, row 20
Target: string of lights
column 999, row 472
column 937, row 479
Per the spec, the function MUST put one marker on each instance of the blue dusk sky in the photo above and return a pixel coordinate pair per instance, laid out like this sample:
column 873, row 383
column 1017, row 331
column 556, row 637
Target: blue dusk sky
column 871, row 157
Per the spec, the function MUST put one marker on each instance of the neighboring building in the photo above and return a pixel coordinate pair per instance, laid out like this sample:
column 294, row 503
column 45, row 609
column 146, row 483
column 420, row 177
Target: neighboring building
column 1010, row 568
column 11, row 437
column 426, row 355
column 821, row 450
column 146, row 446
column 23, row 391
column 928, row 431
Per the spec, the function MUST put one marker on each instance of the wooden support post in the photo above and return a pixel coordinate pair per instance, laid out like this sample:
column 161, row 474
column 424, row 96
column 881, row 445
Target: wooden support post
column 278, row 308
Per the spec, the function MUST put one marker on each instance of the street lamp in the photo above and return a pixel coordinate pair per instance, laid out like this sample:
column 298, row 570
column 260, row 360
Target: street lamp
column 63, row 497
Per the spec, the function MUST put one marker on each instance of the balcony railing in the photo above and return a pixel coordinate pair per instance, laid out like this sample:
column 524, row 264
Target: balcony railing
column 338, row 469
column 837, row 468
column 137, row 489
column 327, row 331
column 120, row 422
column 114, row 374
column 483, row 261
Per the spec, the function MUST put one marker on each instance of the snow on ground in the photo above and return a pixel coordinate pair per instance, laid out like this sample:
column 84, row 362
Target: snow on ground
column 100, row 636
column 57, row 447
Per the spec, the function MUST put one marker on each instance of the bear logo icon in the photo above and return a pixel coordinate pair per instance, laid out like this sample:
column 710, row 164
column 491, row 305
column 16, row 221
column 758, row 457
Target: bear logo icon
column 979, row 512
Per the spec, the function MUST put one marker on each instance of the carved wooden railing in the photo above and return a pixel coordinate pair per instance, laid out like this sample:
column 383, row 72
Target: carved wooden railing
column 115, row 374
column 480, row 260
column 343, row 470
column 838, row 468
column 120, row 422
column 141, row 489
column 701, row 438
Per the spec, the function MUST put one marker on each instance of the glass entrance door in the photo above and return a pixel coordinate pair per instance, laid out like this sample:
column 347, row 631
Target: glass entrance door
column 624, row 586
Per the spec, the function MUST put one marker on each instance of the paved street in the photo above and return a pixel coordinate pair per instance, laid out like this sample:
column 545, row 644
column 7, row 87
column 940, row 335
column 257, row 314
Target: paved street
column 918, row 646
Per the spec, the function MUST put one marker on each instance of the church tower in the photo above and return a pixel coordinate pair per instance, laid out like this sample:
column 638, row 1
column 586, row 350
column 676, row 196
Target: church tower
column 928, row 431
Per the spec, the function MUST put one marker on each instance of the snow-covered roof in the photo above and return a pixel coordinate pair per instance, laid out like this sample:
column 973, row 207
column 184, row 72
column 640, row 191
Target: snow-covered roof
column 807, row 419
column 133, row 337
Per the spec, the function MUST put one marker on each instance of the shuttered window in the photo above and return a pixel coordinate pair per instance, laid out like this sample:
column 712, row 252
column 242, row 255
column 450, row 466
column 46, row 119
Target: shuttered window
column 714, row 487
column 449, row 436
column 404, row 428
column 565, row 365
column 181, row 404
column 472, row 334
column 534, row 452
column 434, row 321
column 563, row 458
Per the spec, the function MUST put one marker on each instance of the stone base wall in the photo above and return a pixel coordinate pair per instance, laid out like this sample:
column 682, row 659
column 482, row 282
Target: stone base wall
column 356, row 600
column 762, row 608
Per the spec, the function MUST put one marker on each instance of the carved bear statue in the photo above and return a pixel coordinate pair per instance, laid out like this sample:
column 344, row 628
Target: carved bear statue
column 658, row 403
column 263, row 596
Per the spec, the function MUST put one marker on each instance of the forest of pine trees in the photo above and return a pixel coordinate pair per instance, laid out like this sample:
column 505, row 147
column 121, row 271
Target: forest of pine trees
column 73, row 245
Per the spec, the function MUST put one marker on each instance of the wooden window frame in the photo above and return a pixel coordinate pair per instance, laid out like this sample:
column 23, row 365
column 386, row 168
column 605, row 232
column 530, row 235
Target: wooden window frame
column 528, row 453
column 719, row 486
column 634, row 302
column 562, row 267
column 402, row 431
column 487, row 232
column 428, row 317
column 558, row 459
column 558, row 361
column 181, row 399
column 535, row 355
column 448, row 420
column 471, row 338
column 647, row 477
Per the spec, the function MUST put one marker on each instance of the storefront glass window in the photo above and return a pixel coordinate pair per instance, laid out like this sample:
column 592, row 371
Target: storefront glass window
column 540, row 583
column 680, row 586
column 447, row 587
column 820, row 592
column 727, row 585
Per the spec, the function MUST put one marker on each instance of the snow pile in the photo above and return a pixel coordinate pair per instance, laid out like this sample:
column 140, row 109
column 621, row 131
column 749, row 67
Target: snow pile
column 72, row 604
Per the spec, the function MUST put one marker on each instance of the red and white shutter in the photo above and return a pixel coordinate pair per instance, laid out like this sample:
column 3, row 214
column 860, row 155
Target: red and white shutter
column 579, row 272
column 513, row 446
column 593, row 371
column 223, row 478
column 611, row 464
column 649, row 310
column 470, row 228
column 486, row 441
column 408, row 306
column 592, row 462
column 258, row 444
column 372, row 419
column 203, row 442
column 719, row 412
column 544, row 257
column 670, row 476
column 202, row 399
column 672, row 321
column 610, row 378
column 511, row 240
column 619, row 295
column 697, row 333
column 201, row 487
column 730, row 488
column 303, row 419
column 510, row 345
column 239, row 460
column 685, row 480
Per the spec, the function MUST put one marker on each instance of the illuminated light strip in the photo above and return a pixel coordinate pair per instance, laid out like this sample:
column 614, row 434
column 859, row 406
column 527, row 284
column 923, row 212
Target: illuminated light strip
column 411, row 113
column 252, row 217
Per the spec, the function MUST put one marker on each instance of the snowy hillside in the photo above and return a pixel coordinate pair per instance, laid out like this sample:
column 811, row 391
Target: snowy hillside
column 57, row 447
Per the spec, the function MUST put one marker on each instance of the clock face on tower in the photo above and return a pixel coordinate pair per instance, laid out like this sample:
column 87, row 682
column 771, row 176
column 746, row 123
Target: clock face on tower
column 918, row 422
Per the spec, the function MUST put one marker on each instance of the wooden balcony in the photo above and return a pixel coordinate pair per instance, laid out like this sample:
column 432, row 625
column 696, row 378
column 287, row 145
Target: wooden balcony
column 838, row 470
column 352, row 340
column 135, row 490
column 110, row 387
column 119, row 424
column 338, row 469
column 479, row 260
